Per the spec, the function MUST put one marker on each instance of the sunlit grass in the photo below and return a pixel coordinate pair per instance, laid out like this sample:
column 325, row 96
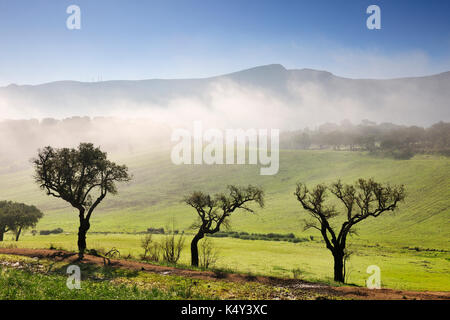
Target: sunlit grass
column 153, row 199
column 401, row 268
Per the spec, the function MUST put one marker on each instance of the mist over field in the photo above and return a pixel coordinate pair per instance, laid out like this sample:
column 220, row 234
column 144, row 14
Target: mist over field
column 265, row 97
column 126, row 116
column 21, row 139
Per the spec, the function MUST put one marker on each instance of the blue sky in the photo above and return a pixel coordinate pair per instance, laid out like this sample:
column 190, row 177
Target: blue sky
column 137, row 39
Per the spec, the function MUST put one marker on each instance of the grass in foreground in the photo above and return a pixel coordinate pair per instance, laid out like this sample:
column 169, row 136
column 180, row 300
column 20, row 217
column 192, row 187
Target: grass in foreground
column 401, row 268
column 23, row 278
column 24, row 285
column 29, row 279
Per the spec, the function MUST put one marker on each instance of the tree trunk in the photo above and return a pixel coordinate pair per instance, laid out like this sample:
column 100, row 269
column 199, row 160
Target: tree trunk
column 82, row 230
column 2, row 232
column 338, row 256
column 194, row 249
column 18, row 233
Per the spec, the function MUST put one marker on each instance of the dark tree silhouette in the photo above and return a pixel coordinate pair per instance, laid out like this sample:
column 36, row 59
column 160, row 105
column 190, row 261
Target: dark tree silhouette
column 82, row 177
column 17, row 217
column 6, row 218
column 366, row 198
column 26, row 217
column 214, row 211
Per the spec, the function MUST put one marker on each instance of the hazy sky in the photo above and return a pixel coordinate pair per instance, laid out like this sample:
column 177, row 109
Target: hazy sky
column 136, row 39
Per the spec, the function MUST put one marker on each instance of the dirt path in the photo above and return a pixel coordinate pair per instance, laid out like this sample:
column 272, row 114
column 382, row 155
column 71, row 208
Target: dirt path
column 346, row 292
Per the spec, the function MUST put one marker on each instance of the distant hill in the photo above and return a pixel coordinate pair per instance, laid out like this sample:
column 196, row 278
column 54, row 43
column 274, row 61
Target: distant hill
column 264, row 96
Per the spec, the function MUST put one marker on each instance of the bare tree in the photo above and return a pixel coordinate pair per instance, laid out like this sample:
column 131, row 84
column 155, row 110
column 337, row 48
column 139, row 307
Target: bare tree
column 82, row 177
column 366, row 198
column 214, row 211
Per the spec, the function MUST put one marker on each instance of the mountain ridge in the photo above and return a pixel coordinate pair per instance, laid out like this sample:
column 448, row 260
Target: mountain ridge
column 264, row 96
column 261, row 67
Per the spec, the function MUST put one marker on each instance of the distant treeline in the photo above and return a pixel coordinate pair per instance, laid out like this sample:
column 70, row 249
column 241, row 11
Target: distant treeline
column 387, row 139
column 54, row 231
column 22, row 138
column 290, row 237
column 148, row 231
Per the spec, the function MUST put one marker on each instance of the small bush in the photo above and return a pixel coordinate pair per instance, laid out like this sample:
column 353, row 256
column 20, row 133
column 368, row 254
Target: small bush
column 156, row 230
column 53, row 247
column 54, row 231
column 171, row 248
column 8, row 246
column 152, row 249
column 404, row 154
column 208, row 254
column 297, row 272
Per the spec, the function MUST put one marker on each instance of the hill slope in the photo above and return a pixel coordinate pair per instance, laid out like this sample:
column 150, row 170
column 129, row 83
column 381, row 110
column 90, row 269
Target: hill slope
column 153, row 198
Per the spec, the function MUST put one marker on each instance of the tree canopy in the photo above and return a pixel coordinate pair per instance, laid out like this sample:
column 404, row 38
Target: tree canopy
column 363, row 199
column 215, row 211
column 82, row 177
column 17, row 217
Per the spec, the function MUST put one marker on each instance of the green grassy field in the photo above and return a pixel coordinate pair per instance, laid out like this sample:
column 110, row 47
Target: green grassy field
column 153, row 199
column 22, row 285
column 400, row 268
column 28, row 279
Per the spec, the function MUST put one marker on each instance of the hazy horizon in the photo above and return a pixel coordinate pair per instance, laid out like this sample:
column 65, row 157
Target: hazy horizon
column 269, row 96
column 229, row 73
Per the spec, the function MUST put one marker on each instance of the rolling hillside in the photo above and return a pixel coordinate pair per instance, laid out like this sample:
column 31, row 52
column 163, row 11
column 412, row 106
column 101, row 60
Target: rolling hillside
column 153, row 198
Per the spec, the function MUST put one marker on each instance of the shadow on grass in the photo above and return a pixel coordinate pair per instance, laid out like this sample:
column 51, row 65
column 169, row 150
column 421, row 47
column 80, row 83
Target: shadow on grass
column 95, row 272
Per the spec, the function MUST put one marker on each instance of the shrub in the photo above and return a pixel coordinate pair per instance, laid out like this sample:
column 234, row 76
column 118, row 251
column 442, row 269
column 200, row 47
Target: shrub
column 156, row 230
column 403, row 154
column 297, row 272
column 54, row 231
column 208, row 254
column 171, row 248
column 152, row 249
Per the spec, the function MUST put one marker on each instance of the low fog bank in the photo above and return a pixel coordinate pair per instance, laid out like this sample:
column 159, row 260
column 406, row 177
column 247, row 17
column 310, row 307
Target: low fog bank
column 129, row 116
column 384, row 139
column 21, row 139
column 263, row 97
